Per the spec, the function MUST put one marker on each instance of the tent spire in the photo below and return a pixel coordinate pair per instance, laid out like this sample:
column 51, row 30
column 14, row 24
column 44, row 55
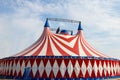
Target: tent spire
column 79, row 27
column 47, row 23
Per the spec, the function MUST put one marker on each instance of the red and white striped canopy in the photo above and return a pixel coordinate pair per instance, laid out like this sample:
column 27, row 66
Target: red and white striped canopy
column 59, row 56
column 51, row 44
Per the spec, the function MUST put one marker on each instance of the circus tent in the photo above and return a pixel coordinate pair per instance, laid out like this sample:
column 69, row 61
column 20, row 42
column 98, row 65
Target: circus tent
column 59, row 56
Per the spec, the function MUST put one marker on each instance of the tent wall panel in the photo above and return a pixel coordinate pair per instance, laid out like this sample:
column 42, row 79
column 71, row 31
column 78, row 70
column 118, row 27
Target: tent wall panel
column 56, row 67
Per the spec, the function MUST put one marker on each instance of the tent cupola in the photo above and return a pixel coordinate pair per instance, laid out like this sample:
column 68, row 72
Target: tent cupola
column 64, row 32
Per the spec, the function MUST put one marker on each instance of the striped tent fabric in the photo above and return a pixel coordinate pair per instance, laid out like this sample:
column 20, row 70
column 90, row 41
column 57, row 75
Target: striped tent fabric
column 50, row 44
column 59, row 56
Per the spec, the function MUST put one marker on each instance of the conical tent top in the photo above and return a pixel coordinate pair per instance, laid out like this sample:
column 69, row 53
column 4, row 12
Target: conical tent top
column 46, row 23
column 79, row 27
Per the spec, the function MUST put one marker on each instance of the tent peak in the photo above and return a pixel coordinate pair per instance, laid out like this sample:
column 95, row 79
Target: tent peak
column 79, row 27
column 46, row 23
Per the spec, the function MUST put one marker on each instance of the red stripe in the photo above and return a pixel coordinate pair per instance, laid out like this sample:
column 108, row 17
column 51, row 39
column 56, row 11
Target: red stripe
column 33, row 46
column 90, row 48
column 60, row 50
column 85, row 50
column 74, row 49
column 46, row 32
column 39, row 49
column 29, row 50
column 66, row 39
column 49, row 50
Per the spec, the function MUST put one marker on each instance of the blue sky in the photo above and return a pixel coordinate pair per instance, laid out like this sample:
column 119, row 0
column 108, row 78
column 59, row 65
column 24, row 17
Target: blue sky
column 22, row 21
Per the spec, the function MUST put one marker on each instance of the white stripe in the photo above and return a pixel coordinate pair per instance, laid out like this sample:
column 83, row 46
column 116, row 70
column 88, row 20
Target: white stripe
column 34, row 50
column 44, row 49
column 81, row 52
column 22, row 67
column 66, row 36
column 94, row 50
column 65, row 49
column 93, row 54
column 32, row 46
column 54, row 50
column 70, row 44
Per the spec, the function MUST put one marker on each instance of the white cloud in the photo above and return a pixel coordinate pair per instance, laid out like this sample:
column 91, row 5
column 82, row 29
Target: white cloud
column 101, row 26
